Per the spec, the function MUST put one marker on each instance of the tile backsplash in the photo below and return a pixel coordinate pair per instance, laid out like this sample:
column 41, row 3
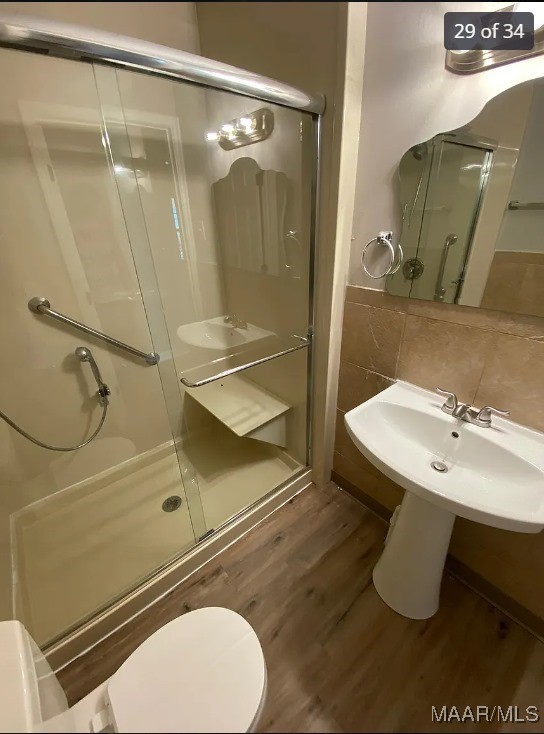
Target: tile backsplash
column 483, row 356
column 486, row 358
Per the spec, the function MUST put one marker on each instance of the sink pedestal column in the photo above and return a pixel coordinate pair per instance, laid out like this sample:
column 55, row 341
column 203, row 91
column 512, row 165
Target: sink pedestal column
column 409, row 572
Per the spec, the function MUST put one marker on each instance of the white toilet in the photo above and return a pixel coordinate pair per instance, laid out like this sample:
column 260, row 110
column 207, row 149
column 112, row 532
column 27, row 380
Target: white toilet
column 202, row 672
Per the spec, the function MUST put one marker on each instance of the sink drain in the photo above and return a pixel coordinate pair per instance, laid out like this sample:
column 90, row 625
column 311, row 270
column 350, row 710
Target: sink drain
column 439, row 466
column 171, row 503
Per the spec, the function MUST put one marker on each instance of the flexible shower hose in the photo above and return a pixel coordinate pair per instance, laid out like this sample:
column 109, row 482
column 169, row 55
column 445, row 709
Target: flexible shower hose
column 84, row 354
column 57, row 448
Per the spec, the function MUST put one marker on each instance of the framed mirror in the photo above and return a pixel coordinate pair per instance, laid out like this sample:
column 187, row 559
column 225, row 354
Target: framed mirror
column 472, row 208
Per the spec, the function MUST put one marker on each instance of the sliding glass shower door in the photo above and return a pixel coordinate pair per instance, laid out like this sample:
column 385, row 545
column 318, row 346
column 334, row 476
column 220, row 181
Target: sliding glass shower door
column 176, row 219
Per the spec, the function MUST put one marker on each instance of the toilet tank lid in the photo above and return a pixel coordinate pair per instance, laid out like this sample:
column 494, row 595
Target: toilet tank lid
column 202, row 672
column 19, row 697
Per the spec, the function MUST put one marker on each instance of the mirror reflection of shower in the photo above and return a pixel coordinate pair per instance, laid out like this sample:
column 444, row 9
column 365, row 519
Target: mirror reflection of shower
column 441, row 186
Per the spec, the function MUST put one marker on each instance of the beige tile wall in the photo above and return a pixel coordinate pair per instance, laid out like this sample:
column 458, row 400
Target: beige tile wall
column 486, row 357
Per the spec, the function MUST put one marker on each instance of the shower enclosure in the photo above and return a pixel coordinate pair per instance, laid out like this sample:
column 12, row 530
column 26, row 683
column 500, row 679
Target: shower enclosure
column 177, row 218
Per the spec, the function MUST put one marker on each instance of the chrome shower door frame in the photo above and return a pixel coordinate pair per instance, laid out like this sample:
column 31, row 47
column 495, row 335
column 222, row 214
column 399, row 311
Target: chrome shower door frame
column 79, row 43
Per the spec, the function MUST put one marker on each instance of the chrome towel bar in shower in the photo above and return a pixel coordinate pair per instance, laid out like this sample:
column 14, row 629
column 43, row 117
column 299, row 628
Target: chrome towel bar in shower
column 302, row 342
column 42, row 307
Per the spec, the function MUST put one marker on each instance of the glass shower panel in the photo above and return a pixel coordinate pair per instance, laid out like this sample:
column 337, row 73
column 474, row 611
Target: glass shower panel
column 77, row 529
column 227, row 206
column 127, row 172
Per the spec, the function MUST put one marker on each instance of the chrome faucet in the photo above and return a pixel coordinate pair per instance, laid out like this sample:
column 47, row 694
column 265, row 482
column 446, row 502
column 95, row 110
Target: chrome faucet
column 467, row 413
column 235, row 322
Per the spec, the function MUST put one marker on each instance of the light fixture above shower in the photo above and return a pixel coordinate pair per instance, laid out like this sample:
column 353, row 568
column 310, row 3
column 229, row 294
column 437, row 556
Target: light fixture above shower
column 245, row 130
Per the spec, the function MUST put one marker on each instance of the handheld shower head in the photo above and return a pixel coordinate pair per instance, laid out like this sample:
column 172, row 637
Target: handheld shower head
column 84, row 354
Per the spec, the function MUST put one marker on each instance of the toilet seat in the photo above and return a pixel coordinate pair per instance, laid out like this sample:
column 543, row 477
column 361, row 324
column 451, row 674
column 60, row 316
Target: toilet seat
column 202, row 672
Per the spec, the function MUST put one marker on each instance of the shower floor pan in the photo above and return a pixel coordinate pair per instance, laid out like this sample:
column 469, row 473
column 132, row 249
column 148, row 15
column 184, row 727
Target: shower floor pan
column 84, row 547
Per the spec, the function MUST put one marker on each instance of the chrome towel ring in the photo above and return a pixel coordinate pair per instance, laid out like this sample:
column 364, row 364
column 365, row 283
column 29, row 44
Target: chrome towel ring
column 383, row 238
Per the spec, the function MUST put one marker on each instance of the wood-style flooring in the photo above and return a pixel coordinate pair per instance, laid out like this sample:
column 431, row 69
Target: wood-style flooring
column 339, row 660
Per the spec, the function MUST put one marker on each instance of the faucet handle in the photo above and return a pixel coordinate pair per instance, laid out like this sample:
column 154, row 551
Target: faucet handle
column 452, row 402
column 484, row 416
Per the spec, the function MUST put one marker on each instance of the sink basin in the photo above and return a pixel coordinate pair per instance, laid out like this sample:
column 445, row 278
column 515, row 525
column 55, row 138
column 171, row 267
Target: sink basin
column 491, row 475
column 494, row 475
column 216, row 334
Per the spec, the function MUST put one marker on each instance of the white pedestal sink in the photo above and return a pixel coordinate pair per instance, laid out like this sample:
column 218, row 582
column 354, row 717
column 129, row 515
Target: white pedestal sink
column 490, row 475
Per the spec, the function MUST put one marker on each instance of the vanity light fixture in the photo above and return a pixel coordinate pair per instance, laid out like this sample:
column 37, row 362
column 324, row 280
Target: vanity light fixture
column 245, row 130
column 469, row 62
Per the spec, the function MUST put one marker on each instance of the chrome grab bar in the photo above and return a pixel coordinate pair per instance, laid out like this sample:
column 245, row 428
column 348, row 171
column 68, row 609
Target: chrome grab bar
column 42, row 307
column 440, row 291
column 304, row 342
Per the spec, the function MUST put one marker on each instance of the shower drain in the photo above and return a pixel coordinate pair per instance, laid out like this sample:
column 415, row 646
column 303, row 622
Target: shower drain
column 171, row 503
column 439, row 466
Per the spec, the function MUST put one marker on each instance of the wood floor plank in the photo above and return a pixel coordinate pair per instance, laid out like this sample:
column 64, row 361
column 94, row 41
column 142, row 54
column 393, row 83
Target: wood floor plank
column 339, row 660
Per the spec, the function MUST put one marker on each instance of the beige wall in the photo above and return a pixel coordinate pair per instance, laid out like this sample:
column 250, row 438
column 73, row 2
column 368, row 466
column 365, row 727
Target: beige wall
column 487, row 358
column 63, row 236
